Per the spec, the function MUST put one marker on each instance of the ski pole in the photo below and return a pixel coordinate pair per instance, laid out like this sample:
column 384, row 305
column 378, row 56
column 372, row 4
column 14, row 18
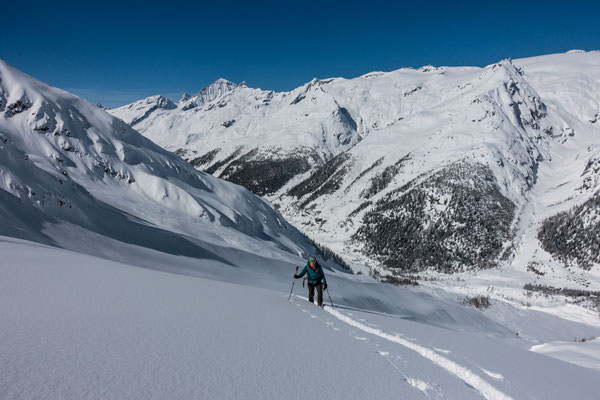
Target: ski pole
column 293, row 283
column 329, row 297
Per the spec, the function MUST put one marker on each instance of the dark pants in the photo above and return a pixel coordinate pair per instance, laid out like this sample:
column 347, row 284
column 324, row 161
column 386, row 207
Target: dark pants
column 311, row 293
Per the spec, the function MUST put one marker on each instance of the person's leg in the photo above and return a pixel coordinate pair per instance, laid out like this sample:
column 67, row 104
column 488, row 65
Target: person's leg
column 320, row 294
column 311, row 292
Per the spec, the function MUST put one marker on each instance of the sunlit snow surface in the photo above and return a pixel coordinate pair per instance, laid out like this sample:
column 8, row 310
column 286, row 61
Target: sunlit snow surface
column 581, row 352
column 76, row 326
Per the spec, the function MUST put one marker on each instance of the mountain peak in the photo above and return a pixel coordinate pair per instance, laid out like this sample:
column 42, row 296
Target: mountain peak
column 209, row 93
column 137, row 111
column 159, row 101
column 502, row 71
column 185, row 97
column 222, row 81
column 218, row 88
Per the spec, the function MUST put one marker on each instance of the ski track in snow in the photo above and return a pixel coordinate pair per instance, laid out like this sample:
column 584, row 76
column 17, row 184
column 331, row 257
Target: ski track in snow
column 494, row 375
column 418, row 384
column 465, row 374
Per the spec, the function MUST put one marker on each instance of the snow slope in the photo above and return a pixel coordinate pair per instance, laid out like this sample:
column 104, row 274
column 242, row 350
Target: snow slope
column 78, row 327
column 581, row 352
column 73, row 176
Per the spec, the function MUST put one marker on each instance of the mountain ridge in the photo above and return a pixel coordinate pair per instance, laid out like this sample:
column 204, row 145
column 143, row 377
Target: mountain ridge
column 333, row 151
column 71, row 175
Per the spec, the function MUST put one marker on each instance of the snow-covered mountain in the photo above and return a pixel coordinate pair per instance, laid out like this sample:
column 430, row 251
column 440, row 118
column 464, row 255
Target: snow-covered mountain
column 72, row 175
column 215, row 320
column 446, row 168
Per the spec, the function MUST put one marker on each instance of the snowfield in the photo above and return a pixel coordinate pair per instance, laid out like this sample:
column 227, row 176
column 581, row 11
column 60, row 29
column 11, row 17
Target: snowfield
column 77, row 327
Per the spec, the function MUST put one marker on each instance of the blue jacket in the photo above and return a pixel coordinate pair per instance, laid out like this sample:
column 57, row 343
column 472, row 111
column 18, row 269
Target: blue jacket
column 314, row 275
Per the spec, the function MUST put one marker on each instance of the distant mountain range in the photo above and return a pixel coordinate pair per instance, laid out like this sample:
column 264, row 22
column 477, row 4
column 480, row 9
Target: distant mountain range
column 444, row 168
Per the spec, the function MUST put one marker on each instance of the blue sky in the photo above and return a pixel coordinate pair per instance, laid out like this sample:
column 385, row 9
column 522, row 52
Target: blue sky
column 118, row 52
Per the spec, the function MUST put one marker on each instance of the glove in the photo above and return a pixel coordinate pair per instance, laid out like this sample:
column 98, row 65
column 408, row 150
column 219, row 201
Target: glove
column 324, row 285
column 295, row 276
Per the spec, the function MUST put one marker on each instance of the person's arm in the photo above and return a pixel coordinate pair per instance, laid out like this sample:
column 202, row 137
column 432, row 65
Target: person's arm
column 301, row 274
column 323, row 279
